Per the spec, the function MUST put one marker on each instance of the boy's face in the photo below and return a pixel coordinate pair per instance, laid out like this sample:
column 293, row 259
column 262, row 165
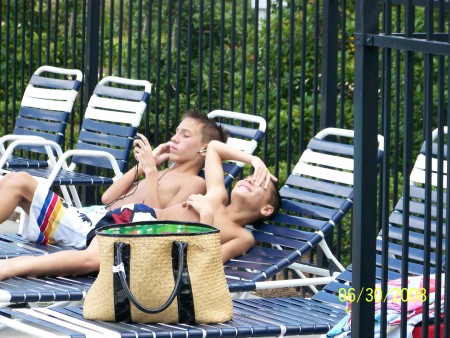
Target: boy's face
column 255, row 197
column 187, row 141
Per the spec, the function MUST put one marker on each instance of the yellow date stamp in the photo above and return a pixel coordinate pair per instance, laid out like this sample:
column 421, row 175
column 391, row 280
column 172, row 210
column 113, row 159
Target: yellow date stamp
column 394, row 294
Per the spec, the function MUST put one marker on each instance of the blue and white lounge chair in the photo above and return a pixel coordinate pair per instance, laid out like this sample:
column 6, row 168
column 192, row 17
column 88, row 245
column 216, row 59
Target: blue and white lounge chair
column 316, row 197
column 44, row 112
column 244, row 131
column 272, row 317
column 110, row 123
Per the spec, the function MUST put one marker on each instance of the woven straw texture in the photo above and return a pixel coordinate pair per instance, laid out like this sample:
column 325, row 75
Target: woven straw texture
column 152, row 282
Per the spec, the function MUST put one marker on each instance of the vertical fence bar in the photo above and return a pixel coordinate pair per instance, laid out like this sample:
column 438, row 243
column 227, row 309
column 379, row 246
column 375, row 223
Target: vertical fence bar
column 190, row 51
column 266, row 74
column 385, row 186
column 278, row 86
column 221, row 54
column 244, row 55
column 428, row 127
column 178, row 65
column 232, row 53
column 365, row 179
column 148, row 63
column 66, row 32
column 291, row 77
column 328, row 104
column 22, row 61
column 168, row 70
column 442, row 157
column 211, row 54
column 14, row 93
column 139, row 41
column 92, row 52
column 407, row 149
column 55, row 32
column 7, row 42
column 158, row 72
column 316, row 76
column 111, row 35
column 49, row 20
column 200, row 54
column 303, row 74
column 120, row 39
column 130, row 38
column 342, row 66
column 446, row 285
column 256, row 22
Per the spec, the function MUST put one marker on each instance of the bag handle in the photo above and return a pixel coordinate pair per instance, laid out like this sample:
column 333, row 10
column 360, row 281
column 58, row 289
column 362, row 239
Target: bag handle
column 120, row 270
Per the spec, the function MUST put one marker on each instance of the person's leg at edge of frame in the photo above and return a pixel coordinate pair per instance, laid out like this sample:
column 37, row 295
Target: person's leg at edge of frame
column 19, row 189
column 62, row 263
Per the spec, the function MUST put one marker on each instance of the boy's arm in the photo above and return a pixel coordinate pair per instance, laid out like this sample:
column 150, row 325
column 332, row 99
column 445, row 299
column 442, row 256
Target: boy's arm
column 148, row 163
column 125, row 184
column 237, row 246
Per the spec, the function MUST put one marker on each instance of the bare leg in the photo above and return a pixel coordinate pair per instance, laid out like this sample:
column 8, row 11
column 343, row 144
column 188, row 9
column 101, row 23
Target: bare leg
column 18, row 190
column 63, row 263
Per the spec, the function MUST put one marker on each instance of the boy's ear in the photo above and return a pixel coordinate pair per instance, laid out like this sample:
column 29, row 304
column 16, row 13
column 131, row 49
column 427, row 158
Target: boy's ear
column 202, row 152
column 267, row 210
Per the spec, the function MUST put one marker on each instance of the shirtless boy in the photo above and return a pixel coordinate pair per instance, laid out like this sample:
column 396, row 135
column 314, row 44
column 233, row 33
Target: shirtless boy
column 174, row 184
column 49, row 219
column 252, row 199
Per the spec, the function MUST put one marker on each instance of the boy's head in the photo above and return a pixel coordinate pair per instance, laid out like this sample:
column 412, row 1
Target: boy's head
column 210, row 130
column 192, row 136
column 260, row 203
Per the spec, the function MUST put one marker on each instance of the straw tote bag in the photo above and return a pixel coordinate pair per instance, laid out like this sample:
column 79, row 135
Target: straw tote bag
column 159, row 272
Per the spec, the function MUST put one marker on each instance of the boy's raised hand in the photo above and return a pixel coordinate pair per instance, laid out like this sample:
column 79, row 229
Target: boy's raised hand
column 261, row 174
column 144, row 155
column 162, row 153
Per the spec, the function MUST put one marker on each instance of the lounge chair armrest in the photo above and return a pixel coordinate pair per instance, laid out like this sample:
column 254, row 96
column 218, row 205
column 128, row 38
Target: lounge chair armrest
column 32, row 141
column 10, row 138
column 89, row 153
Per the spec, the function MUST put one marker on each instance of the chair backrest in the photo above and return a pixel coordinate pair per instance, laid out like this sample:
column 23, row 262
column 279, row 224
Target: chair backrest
column 111, row 120
column 418, row 174
column 47, row 103
column 423, row 214
column 315, row 197
column 244, row 131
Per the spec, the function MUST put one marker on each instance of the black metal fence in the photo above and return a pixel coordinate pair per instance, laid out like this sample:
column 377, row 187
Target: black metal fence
column 401, row 88
column 291, row 62
column 288, row 61
column 259, row 57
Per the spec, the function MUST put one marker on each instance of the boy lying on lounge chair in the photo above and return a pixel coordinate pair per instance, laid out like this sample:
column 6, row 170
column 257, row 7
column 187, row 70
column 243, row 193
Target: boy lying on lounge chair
column 50, row 219
column 253, row 199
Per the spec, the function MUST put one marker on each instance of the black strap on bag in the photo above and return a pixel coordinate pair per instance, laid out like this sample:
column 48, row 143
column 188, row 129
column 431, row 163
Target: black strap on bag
column 121, row 254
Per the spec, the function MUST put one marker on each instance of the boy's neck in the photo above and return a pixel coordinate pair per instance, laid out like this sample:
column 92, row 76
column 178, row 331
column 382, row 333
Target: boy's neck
column 190, row 167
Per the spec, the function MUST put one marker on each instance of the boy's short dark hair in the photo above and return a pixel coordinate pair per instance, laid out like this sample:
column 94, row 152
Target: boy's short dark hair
column 210, row 130
column 274, row 201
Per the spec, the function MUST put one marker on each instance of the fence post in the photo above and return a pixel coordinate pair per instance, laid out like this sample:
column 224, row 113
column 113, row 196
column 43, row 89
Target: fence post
column 91, row 75
column 365, row 193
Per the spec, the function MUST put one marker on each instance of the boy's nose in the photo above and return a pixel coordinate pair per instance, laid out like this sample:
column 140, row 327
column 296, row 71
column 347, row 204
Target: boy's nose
column 250, row 180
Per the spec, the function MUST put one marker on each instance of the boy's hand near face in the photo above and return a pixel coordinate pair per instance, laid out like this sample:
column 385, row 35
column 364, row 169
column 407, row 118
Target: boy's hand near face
column 162, row 153
column 261, row 174
column 200, row 204
column 144, row 155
